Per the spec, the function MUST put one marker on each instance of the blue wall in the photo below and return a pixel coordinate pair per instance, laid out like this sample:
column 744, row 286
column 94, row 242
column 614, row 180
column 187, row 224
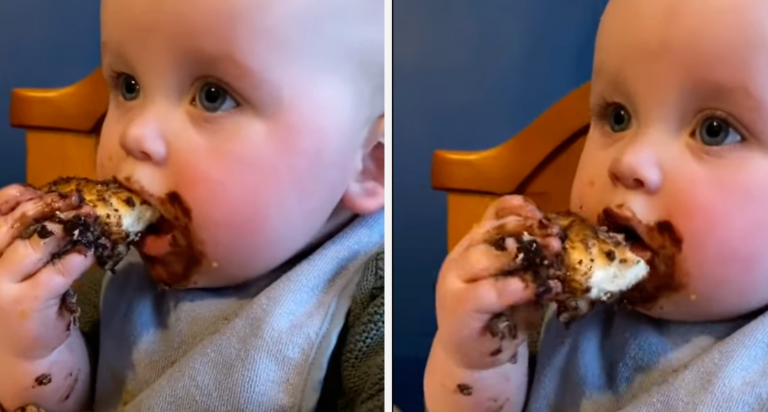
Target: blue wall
column 43, row 43
column 467, row 76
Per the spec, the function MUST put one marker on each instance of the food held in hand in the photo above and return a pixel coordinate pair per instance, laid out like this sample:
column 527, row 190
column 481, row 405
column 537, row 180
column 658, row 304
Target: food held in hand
column 595, row 264
column 598, row 265
column 121, row 216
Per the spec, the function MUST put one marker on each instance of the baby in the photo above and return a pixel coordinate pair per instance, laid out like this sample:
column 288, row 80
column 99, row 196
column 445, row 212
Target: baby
column 264, row 120
column 678, row 132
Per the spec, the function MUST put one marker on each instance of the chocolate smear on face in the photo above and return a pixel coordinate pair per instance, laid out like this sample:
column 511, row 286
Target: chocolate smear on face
column 659, row 244
column 185, row 256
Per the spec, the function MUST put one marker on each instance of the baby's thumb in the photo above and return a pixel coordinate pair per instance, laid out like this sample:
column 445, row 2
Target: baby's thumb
column 57, row 277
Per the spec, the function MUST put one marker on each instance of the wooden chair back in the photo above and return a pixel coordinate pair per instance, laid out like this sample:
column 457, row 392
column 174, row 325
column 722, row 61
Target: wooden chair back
column 62, row 127
column 539, row 162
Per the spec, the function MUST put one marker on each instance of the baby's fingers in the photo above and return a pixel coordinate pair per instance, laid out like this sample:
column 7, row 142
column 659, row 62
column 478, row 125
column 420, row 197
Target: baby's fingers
column 24, row 257
column 494, row 295
column 479, row 263
column 513, row 205
column 14, row 195
column 41, row 208
column 505, row 234
column 57, row 277
column 46, row 304
column 496, row 256
column 27, row 255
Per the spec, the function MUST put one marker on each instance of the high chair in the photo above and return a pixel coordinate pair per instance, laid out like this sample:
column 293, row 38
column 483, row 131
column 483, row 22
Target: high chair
column 539, row 162
column 62, row 127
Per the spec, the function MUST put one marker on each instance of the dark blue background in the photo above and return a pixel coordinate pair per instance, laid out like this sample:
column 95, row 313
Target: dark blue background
column 467, row 75
column 43, row 43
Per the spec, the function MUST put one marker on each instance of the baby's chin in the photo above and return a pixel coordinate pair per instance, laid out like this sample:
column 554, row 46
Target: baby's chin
column 208, row 274
column 689, row 307
column 172, row 271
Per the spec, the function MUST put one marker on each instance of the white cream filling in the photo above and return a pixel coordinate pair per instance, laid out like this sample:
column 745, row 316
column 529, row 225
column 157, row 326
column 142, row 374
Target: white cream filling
column 610, row 280
column 139, row 218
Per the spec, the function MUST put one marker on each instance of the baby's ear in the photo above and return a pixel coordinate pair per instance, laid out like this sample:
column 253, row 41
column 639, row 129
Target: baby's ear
column 365, row 194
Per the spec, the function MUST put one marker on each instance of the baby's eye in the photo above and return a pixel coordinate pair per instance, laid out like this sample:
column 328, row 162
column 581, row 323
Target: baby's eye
column 129, row 87
column 214, row 98
column 714, row 131
column 618, row 118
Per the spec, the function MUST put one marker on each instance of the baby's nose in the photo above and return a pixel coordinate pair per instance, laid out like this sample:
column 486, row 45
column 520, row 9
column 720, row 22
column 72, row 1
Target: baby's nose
column 143, row 140
column 636, row 168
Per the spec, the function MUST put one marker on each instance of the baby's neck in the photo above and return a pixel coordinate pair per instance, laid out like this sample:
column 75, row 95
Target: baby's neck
column 339, row 219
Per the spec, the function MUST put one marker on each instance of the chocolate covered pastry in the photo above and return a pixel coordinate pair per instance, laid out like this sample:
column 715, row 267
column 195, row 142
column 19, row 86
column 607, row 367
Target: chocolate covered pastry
column 121, row 216
column 594, row 265
column 597, row 265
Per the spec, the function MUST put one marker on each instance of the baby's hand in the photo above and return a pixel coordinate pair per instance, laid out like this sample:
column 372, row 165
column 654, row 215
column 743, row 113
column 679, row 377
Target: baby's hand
column 36, row 308
column 483, row 308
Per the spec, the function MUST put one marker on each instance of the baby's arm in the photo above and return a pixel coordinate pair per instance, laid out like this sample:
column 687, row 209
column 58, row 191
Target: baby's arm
column 449, row 387
column 57, row 382
column 88, row 294
column 479, row 360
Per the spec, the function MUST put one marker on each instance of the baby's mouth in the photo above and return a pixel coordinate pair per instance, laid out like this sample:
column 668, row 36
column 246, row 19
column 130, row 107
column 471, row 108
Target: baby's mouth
column 158, row 238
column 635, row 232
column 168, row 247
column 658, row 244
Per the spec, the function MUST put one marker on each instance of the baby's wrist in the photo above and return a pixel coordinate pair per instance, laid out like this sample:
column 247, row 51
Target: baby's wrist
column 41, row 381
column 450, row 386
column 484, row 360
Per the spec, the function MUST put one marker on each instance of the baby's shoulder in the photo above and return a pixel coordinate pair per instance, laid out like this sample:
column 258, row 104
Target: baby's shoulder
column 355, row 377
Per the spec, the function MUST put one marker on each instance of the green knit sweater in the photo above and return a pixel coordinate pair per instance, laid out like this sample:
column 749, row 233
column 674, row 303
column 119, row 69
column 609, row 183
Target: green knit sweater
column 354, row 380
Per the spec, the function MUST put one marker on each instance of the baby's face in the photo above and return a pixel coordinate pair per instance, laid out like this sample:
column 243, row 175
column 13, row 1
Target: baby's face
column 254, row 115
column 679, row 133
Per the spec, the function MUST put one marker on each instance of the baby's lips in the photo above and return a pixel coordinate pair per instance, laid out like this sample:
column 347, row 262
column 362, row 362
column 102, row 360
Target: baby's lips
column 155, row 245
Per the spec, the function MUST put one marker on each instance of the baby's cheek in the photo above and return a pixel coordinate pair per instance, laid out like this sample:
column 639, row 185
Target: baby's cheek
column 106, row 160
column 723, row 265
column 241, row 237
column 588, row 197
column 591, row 187
column 579, row 193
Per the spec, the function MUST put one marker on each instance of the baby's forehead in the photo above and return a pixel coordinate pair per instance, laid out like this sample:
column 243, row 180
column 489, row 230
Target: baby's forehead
column 677, row 18
column 291, row 33
column 276, row 20
column 713, row 37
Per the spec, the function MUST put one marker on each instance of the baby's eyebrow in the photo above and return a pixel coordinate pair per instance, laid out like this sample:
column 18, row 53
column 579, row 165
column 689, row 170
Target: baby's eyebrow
column 730, row 93
column 109, row 57
column 610, row 82
column 735, row 97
